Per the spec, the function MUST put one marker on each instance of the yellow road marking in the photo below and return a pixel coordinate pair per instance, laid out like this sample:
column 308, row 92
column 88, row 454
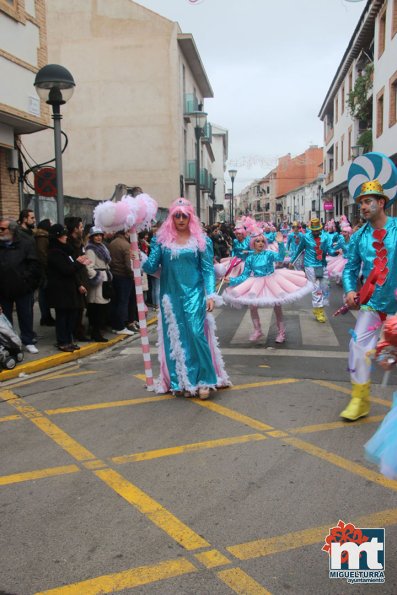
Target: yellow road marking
column 76, row 450
column 37, row 474
column 342, row 463
column 297, row 539
column 127, row 579
column 263, row 366
column 265, row 383
column 41, row 377
column 140, row 376
column 335, row 425
column 97, row 464
column 241, row 583
column 231, row 414
column 161, row 517
column 177, row 450
column 108, row 405
column 212, row 559
column 348, row 391
column 10, row 418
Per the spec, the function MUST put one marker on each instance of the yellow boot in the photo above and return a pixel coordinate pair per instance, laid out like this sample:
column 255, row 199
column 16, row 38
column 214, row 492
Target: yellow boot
column 319, row 314
column 359, row 405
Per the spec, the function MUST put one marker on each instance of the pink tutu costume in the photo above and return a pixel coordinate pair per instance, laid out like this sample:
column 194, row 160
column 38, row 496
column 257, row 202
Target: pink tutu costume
column 335, row 266
column 261, row 285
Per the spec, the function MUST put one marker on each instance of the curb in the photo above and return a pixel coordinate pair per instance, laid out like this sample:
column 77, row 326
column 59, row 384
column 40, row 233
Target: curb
column 58, row 359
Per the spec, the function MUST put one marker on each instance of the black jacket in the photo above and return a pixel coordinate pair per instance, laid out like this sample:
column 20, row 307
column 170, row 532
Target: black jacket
column 20, row 269
column 63, row 279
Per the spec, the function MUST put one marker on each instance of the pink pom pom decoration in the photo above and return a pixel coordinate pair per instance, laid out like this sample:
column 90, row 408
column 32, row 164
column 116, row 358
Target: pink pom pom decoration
column 138, row 212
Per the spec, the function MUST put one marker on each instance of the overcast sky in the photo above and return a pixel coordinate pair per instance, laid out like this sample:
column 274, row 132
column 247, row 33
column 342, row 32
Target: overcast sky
column 270, row 64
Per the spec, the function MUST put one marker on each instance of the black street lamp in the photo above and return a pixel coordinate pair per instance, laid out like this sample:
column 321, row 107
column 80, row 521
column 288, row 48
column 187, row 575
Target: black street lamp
column 200, row 121
column 232, row 174
column 55, row 85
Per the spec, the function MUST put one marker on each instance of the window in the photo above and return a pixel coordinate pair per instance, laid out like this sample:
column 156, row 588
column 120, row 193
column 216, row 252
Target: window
column 336, row 109
column 382, row 32
column 394, row 19
column 349, row 143
column 342, row 107
column 393, row 100
column 350, row 83
column 342, row 142
column 379, row 111
column 336, row 156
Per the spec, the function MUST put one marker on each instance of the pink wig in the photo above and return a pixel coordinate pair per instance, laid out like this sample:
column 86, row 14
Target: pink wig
column 240, row 228
column 345, row 225
column 167, row 234
column 255, row 236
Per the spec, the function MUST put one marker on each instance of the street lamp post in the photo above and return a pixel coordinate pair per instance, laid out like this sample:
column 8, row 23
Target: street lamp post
column 55, row 85
column 232, row 174
column 200, row 121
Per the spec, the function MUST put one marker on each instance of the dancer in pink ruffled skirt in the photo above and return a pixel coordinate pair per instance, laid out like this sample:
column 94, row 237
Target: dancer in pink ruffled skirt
column 336, row 264
column 261, row 285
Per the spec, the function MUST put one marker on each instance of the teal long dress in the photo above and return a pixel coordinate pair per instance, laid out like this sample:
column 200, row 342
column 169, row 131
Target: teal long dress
column 188, row 348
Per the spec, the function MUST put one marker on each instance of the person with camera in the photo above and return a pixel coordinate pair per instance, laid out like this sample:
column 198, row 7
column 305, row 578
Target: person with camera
column 100, row 283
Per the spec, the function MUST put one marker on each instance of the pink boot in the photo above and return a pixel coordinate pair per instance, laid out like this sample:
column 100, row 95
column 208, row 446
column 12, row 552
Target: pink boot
column 280, row 324
column 257, row 334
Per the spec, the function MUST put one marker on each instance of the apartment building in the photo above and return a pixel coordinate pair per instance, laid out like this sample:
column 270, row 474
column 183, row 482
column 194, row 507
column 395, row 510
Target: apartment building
column 359, row 111
column 138, row 79
column 305, row 202
column 23, row 51
column 220, row 148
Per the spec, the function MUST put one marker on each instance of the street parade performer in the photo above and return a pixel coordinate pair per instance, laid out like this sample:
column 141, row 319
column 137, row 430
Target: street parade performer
column 382, row 447
column 317, row 244
column 372, row 249
column 262, row 285
column 234, row 265
column 190, row 359
column 293, row 241
column 336, row 264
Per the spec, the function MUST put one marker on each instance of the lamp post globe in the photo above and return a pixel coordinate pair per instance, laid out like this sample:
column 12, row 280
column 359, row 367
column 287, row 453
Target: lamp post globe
column 54, row 84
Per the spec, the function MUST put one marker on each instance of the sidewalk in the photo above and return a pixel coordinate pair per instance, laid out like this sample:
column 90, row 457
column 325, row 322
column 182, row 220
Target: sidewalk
column 49, row 356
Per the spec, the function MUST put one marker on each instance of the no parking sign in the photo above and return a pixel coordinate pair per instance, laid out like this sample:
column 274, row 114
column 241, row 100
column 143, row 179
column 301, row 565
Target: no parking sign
column 45, row 183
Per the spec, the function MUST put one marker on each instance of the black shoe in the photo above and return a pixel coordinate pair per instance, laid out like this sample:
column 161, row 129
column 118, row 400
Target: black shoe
column 67, row 348
column 74, row 346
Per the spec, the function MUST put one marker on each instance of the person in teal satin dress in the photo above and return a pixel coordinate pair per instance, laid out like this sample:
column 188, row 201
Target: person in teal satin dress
column 190, row 360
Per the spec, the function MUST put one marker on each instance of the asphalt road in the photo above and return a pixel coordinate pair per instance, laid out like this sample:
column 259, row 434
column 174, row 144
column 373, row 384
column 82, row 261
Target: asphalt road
column 105, row 487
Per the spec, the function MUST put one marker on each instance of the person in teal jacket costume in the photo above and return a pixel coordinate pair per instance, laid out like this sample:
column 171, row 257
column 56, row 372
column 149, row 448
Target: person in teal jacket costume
column 372, row 253
column 190, row 359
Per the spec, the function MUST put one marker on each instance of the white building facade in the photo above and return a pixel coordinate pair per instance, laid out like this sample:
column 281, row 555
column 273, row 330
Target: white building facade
column 372, row 53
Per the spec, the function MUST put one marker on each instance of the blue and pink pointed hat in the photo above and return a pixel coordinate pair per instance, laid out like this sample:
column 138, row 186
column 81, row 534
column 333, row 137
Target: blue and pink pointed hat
column 373, row 174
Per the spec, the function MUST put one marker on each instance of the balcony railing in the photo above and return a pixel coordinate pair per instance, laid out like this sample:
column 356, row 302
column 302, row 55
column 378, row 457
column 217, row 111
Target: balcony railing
column 207, row 136
column 206, row 179
column 329, row 178
column 191, row 103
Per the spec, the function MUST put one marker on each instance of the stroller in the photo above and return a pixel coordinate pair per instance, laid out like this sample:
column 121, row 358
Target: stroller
column 10, row 345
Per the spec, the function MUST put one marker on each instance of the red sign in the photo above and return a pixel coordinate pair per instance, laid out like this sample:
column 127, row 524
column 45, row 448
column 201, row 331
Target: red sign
column 45, row 181
column 328, row 205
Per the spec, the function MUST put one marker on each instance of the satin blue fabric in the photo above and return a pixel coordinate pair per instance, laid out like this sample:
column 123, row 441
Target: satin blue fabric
column 292, row 244
column 270, row 236
column 308, row 244
column 186, row 277
column 260, row 264
column 241, row 249
column 362, row 252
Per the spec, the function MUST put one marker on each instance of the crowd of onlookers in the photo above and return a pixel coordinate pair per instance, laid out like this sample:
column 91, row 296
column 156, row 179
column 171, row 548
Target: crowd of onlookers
column 81, row 277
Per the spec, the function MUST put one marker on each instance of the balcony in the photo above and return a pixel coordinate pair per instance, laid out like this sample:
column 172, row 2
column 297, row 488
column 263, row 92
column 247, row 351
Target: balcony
column 329, row 178
column 190, row 105
column 207, row 136
column 205, row 177
column 190, row 172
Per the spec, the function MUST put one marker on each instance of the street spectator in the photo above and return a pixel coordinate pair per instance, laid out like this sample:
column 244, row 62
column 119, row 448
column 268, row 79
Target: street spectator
column 75, row 228
column 64, row 286
column 20, row 275
column 27, row 223
column 123, row 283
column 42, row 243
column 98, row 272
